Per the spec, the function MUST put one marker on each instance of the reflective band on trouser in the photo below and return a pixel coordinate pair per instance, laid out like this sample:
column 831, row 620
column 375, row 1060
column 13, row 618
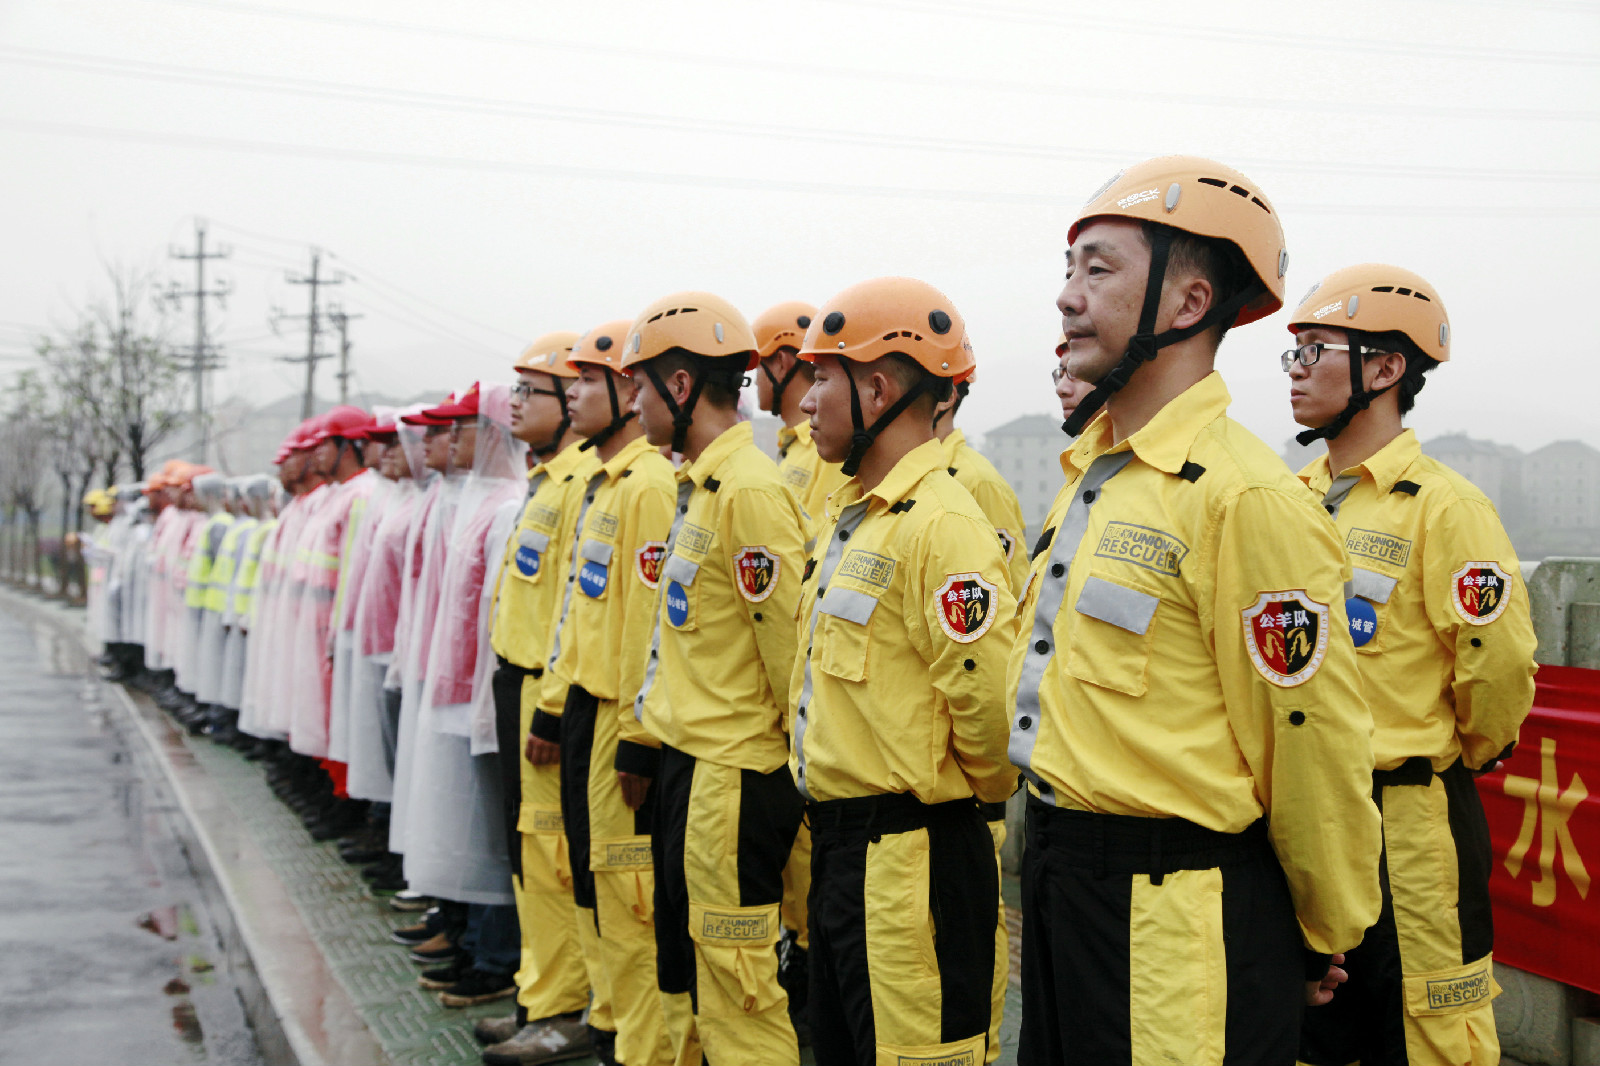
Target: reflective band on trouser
column 1199, row 963
column 624, row 887
column 1052, row 593
column 577, row 743
column 849, row 520
column 902, row 931
column 551, row 978
column 685, row 490
column 1421, row 984
column 722, row 836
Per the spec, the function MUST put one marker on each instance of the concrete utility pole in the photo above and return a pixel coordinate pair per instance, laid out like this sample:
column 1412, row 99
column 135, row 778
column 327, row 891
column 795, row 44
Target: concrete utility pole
column 203, row 355
column 313, row 319
column 341, row 321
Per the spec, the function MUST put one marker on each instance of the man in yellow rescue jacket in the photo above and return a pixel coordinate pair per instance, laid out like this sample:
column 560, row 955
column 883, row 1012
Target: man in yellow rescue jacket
column 552, row 985
column 898, row 708
column 1200, row 835
column 597, row 664
column 1439, row 617
column 716, row 691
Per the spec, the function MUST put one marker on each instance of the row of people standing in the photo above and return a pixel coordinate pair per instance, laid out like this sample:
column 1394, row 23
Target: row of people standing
column 669, row 713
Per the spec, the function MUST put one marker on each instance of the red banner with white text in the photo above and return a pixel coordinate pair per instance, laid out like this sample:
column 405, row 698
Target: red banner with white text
column 1545, row 825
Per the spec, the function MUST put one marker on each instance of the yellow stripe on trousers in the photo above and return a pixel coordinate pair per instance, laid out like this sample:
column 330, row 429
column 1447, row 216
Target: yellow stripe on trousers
column 1178, row 972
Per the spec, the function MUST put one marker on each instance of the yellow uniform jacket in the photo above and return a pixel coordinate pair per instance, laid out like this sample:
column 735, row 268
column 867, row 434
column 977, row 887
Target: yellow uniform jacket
column 1183, row 653
column 997, row 498
column 810, row 478
column 603, row 635
column 906, row 619
column 717, row 682
column 535, row 565
column 1439, row 612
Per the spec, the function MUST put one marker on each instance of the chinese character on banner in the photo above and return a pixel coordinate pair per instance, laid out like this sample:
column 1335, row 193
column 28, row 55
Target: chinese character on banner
column 1544, row 824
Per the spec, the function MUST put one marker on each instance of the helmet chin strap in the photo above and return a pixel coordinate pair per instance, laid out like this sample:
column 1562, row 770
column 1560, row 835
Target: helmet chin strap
column 683, row 417
column 1360, row 398
column 618, row 419
column 1143, row 345
column 560, row 393
column 863, row 436
column 778, row 387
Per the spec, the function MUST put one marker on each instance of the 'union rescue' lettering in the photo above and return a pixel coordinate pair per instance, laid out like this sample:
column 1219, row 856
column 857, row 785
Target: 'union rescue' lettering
column 868, row 568
column 692, row 540
column 1458, row 991
column 1142, row 546
column 1384, row 547
column 751, row 927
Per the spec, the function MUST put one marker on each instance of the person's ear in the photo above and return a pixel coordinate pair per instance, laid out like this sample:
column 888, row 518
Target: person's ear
column 1195, row 297
column 1391, row 367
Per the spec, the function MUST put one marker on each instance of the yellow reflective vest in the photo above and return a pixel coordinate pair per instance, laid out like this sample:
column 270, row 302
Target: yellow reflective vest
column 1183, row 653
column 207, row 543
column 906, row 618
column 1438, row 609
column 997, row 498
column 225, row 566
column 717, row 682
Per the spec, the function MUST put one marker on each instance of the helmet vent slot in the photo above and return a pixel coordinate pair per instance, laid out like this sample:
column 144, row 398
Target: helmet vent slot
column 1403, row 292
column 1218, row 182
column 1420, row 296
column 1239, row 190
column 892, row 334
column 1383, row 288
column 1258, row 202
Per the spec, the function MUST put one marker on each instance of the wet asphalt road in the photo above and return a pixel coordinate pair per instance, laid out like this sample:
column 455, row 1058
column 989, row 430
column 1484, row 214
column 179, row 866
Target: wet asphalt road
column 109, row 954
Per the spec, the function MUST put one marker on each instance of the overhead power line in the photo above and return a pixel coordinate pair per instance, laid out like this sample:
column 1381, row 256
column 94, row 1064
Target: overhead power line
column 874, row 139
column 720, row 181
column 767, row 66
column 1190, row 31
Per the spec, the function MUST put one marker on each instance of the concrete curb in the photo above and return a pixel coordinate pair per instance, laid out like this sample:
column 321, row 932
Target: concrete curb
column 301, row 1014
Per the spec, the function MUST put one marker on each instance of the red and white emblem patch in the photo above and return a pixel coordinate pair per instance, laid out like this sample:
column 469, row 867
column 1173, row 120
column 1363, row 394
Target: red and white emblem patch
column 1480, row 591
column 756, row 570
column 1286, row 634
column 1008, row 542
column 647, row 561
column 965, row 603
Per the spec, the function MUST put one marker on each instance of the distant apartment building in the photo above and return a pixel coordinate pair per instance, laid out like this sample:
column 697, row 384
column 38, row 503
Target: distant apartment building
column 1027, row 453
column 1498, row 470
column 1561, row 485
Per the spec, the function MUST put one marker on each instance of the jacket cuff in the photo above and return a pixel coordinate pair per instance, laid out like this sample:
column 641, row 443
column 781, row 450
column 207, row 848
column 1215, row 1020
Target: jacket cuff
column 636, row 758
column 546, row 726
column 1316, row 965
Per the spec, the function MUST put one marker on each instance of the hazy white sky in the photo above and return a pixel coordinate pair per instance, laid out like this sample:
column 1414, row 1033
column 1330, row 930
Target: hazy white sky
column 488, row 171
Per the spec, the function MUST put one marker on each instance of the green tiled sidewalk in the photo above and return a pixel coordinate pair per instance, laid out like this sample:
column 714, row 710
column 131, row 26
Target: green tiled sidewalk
column 352, row 929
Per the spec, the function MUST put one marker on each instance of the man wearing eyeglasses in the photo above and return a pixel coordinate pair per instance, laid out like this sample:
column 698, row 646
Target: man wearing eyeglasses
column 552, row 985
column 1439, row 617
column 1069, row 390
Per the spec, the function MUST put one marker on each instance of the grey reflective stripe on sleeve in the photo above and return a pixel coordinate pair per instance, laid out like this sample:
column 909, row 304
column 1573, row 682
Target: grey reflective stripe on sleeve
column 596, row 551
column 572, row 570
column 680, row 570
column 1052, row 591
column 685, row 490
column 532, row 538
column 1335, row 497
column 1371, row 585
column 849, row 519
column 1121, row 606
column 848, row 604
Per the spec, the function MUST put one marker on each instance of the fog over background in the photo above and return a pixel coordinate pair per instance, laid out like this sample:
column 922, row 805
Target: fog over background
column 487, row 172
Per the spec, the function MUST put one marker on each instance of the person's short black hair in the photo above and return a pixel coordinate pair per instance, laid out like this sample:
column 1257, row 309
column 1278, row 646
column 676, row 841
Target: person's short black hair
column 1417, row 362
column 907, row 372
column 724, row 375
column 1221, row 262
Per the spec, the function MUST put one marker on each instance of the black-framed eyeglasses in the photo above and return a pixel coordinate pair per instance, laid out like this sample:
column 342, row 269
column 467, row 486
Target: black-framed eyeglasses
column 1057, row 374
column 522, row 390
column 1308, row 354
